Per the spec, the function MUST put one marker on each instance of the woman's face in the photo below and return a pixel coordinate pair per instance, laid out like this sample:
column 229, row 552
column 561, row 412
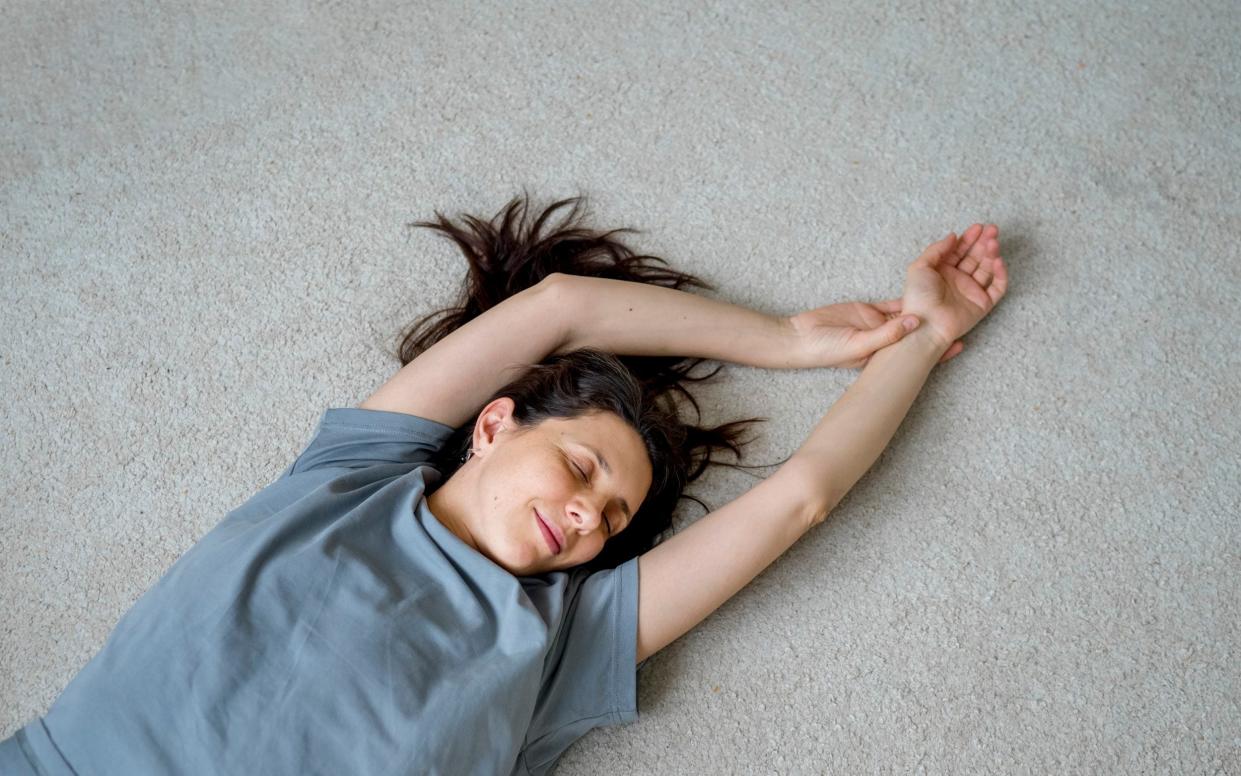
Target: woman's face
column 549, row 473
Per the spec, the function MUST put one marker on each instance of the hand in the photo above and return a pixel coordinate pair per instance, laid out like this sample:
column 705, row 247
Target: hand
column 847, row 333
column 954, row 283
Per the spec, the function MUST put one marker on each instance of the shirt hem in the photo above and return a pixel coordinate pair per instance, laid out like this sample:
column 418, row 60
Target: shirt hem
column 45, row 757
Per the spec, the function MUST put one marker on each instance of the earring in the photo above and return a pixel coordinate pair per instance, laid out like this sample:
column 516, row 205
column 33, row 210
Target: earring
column 467, row 455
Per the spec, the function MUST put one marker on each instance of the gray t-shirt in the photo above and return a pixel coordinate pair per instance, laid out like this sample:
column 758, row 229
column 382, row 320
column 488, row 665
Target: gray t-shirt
column 332, row 625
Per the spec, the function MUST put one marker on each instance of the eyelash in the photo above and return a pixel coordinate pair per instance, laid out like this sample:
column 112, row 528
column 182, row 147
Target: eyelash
column 582, row 474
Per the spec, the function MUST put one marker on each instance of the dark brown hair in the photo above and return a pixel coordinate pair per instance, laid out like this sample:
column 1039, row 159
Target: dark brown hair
column 506, row 256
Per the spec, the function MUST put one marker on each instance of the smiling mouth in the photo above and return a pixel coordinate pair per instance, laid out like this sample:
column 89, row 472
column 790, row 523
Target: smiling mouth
column 548, row 534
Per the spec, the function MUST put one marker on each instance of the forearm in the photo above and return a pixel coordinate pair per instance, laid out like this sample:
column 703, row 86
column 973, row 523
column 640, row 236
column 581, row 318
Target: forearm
column 639, row 319
column 850, row 437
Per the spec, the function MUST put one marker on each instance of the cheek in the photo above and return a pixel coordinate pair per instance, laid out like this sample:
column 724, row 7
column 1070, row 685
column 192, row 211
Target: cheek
column 592, row 548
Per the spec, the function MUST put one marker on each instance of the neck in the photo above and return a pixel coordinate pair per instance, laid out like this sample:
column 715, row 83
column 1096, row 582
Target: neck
column 447, row 507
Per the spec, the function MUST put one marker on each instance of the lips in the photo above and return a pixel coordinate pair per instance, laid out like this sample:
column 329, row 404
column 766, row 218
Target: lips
column 550, row 532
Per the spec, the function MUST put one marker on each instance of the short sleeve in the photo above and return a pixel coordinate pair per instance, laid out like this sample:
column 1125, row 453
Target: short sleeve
column 353, row 437
column 591, row 680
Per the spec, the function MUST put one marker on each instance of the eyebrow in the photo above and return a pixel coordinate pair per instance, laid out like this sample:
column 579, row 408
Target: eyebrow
column 603, row 462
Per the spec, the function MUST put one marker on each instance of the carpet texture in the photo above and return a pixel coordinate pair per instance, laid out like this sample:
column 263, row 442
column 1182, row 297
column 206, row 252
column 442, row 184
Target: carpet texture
column 202, row 226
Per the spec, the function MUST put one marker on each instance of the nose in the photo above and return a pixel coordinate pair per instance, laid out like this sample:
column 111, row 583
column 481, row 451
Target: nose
column 585, row 515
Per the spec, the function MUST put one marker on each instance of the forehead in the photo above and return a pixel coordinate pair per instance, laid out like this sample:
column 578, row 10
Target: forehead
column 601, row 429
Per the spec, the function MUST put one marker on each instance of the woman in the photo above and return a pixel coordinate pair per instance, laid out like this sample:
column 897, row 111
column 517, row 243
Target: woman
column 446, row 579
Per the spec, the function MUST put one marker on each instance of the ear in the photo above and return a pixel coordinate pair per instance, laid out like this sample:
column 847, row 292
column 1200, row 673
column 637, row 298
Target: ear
column 495, row 418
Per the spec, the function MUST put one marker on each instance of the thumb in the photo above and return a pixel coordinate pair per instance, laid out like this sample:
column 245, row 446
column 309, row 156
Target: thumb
column 937, row 250
column 890, row 332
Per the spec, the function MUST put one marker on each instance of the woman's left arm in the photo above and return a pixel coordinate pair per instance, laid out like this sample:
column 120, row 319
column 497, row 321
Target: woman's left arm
column 630, row 318
column 452, row 380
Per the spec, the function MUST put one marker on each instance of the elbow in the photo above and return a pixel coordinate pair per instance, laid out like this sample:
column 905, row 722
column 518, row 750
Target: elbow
column 556, row 280
column 558, row 292
column 817, row 496
column 817, row 512
column 557, row 297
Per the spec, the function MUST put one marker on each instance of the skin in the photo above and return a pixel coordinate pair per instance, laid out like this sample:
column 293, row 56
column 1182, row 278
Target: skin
column 847, row 334
column 955, row 283
column 489, row 502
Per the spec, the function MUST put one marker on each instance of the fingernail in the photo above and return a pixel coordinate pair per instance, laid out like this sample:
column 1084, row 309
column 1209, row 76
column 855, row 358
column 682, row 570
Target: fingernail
column 910, row 324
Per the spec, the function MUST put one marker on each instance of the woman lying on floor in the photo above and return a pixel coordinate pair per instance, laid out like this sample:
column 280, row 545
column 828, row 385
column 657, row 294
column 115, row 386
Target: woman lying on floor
column 464, row 573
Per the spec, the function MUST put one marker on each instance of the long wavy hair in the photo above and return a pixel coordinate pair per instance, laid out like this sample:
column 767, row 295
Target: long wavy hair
column 507, row 255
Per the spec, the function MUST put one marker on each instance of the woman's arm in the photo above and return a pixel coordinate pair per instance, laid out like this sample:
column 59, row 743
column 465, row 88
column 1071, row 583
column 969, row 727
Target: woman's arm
column 684, row 579
column 455, row 376
column 687, row 577
column 640, row 319
column 860, row 424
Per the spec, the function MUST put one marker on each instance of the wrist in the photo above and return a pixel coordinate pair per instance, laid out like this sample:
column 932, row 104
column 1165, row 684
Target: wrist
column 792, row 341
column 927, row 333
column 925, row 342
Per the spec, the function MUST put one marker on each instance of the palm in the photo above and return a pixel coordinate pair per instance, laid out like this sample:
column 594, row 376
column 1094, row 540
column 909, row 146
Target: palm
column 953, row 284
column 957, row 299
column 828, row 332
column 950, row 287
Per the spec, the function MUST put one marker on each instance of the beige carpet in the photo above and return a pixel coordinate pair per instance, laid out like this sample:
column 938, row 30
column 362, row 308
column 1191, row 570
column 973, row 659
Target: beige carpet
column 202, row 212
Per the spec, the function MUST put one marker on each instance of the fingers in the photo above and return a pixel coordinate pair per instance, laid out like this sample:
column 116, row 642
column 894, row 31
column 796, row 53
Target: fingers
column 968, row 238
column 986, row 245
column 986, row 270
column 937, row 250
column 888, row 306
column 891, row 331
column 999, row 283
column 865, row 343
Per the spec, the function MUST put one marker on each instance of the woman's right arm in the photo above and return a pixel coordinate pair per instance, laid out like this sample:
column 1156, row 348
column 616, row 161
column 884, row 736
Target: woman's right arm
column 860, row 424
column 685, row 578
column 950, row 287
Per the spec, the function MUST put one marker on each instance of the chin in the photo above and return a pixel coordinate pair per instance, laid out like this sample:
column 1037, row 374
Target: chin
column 527, row 566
